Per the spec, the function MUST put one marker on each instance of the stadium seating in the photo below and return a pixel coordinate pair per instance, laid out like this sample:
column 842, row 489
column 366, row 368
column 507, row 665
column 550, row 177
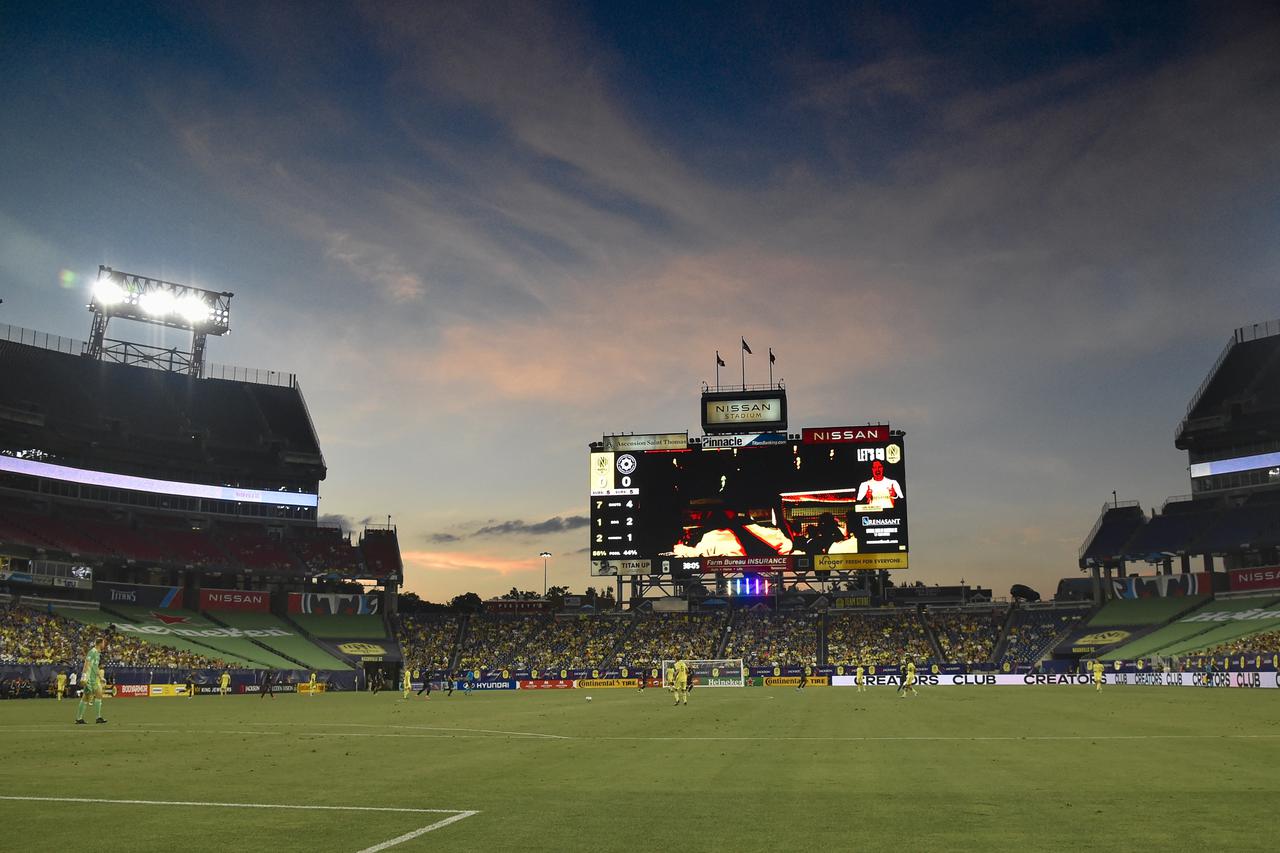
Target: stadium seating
column 381, row 552
column 501, row 642
column 1143, row 611
column 967, row 636
column 1034, row 632
column 772, row 639
column 578, row 642
column 295, row 646
column 1182, row 636
column 427, row 641
column 324, row 550
column 877, row 638
column 655, row 638
column 251, row 547
column 241, row 649
column 341, row 626
column 63, row 635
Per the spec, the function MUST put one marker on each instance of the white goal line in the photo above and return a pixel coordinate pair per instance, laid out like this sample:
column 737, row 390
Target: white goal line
column 455, row 815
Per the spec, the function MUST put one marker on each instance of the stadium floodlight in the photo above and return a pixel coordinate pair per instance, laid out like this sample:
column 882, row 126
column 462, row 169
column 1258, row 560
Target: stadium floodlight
column 193, row 309
column 157, row 303
column 107, row 292
column 545, row 555
column 162, row 303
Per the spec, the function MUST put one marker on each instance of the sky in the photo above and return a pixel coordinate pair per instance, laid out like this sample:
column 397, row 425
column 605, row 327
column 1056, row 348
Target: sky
column 485, row 234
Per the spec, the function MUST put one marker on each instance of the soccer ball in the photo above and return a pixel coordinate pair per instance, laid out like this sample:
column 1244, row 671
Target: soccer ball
column 588, row 698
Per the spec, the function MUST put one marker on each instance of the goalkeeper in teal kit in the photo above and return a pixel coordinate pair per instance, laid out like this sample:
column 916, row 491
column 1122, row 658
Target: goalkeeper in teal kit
column 91, row 681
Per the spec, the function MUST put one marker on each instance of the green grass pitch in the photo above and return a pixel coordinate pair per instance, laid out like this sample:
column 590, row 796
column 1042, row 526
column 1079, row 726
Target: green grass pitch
column 1047, row 768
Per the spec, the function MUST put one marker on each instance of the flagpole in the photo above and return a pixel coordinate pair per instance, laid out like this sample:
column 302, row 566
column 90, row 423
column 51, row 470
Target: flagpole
column 770, row 367
column 717, row 370
column 742, row 351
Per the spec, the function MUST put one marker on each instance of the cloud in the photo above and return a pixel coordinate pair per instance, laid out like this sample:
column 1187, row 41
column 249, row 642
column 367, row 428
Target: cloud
column 516, row 527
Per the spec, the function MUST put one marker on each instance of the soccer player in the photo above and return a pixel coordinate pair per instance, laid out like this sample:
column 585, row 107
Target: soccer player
column 406, row 682
column 471, row 679
column 1097, row 675
column 909, row 680
column 860, row 678
column 804, row 680
column 682, row 682
column 62, row 684
column 267, row 679
column 91, row 680
column 191, row 684
column 426, row 683
column 311, row 685
column 224, row 683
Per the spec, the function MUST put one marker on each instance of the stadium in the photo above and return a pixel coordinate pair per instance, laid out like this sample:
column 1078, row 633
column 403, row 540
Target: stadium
column 169, row 506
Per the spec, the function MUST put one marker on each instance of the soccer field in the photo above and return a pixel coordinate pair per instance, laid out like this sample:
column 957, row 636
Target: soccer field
column 1059, row 768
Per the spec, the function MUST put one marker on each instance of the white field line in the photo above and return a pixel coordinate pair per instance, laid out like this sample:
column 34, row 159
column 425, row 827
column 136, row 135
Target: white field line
column 455, row 815
column 676, row 738
column 409, row 836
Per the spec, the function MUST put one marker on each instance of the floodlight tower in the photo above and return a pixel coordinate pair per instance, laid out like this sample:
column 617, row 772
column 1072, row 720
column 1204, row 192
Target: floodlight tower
column 160, row 303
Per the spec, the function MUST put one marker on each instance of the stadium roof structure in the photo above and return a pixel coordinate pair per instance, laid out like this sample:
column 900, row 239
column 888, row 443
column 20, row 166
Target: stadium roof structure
column 1240, row 398
column 131, row 420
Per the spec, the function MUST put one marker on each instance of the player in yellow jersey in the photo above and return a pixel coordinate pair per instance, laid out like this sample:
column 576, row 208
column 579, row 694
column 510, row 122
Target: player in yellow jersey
column 682, row 682
column 406, row 682
column 62, row 685
column 311, row 686
column 1098, row 669
column 909, row 680
column 91, row 680
column 860, row 678
column 224, row 683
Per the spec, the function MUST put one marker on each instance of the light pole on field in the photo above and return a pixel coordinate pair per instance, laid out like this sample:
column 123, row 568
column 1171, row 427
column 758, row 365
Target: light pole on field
column 545, row 555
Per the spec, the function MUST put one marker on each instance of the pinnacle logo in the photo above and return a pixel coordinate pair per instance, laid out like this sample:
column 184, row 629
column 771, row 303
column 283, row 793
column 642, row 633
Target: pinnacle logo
column 167, row 619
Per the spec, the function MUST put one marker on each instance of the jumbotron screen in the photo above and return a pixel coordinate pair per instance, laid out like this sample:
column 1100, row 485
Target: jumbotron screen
column 782, row 505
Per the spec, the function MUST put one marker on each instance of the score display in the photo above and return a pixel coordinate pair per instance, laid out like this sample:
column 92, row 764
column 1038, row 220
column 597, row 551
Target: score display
column 820, row 505
column 615, row 513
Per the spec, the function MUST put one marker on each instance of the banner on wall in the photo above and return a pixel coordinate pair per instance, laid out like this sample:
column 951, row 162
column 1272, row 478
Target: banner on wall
column 235, row 599
column 142, row 595
column 333, row 603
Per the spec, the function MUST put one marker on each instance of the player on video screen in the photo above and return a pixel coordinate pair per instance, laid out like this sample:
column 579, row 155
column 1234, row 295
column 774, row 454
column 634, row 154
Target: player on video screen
column 880, row 491
column 726, row 533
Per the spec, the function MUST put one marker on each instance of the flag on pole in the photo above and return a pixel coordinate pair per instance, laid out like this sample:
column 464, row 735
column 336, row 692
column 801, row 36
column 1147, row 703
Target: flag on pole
column 772, row 358
column 719, row 360
column 746, row 348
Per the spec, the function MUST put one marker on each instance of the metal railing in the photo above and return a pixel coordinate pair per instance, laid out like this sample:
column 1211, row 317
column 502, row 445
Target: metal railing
column 74, row 346
column 42, row 340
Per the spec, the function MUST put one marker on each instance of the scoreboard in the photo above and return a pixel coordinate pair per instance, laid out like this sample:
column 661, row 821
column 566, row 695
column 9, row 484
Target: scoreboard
column 615, row 513
column 829, row 499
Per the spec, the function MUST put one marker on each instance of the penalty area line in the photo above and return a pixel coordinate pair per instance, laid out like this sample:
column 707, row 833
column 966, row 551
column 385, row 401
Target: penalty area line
column 455, row 815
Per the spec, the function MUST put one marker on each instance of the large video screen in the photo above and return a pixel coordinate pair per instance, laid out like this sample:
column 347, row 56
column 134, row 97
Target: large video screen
column 842, row 505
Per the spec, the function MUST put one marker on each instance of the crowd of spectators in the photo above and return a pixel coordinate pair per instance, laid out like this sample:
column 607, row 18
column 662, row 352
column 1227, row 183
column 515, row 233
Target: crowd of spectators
column 427, row 642
column 967, row 637
column 501, row 642
column 1032, row 633
column 693, row 636
column 877, row 639
column 579, row 642
column 773, row 639
column 31, row 637
column 1265, row 643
